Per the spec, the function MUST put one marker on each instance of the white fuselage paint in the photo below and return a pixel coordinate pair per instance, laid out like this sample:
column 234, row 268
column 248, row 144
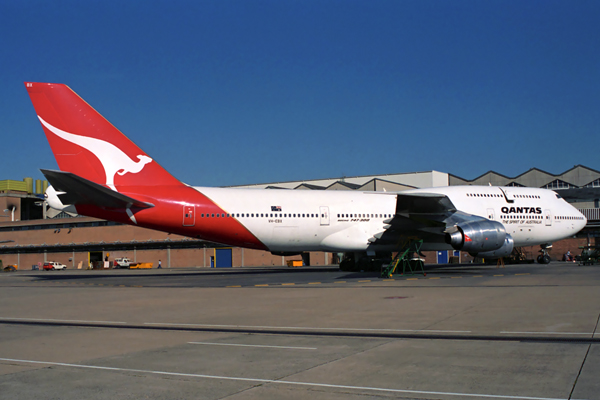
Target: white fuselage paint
column 300, row 226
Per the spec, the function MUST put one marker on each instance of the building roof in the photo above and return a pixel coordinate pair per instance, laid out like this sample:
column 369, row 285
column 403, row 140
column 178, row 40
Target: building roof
column 579, row 176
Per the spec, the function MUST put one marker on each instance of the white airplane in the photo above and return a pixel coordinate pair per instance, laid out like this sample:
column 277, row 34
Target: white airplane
column 105, row 175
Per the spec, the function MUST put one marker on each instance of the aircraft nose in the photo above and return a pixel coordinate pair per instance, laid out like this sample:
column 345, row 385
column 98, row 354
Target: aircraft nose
column 583, row 220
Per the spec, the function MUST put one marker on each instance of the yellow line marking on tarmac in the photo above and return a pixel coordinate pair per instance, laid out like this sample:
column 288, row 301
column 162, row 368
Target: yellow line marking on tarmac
column 314, row 283
column 266, row 284
column 523, row 274
column 412, row 279
column 231, row 286
column 339, row 282
column 365, row 281
column 437, row 277
column 456, row 277
column 287, row 284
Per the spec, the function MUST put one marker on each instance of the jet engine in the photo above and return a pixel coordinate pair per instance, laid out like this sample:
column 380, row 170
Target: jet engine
column 479, row 237
column 54, row 202
column 503, row 251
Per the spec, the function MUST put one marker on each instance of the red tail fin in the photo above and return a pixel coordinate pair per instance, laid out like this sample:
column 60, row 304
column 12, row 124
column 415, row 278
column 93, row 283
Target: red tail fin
column 86, row 144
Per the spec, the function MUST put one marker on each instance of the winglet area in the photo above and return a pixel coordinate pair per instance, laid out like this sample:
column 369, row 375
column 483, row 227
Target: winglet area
column 423, row 203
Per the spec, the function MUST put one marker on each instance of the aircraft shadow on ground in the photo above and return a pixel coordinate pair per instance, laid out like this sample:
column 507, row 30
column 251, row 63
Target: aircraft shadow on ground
column 103, row 274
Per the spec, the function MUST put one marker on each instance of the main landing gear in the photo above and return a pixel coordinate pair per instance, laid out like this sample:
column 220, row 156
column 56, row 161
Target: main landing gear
column 360, row 261
column 544, row 257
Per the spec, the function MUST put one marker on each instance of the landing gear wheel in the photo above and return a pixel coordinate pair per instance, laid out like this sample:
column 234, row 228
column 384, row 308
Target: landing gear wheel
column 546, row 259
column 540, row 259
column 347, row 264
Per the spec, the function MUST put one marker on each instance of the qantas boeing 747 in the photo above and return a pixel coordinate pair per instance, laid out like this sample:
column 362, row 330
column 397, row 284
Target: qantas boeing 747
column 105, row 175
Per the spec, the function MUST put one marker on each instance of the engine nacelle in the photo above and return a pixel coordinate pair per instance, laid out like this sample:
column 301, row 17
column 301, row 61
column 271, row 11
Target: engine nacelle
column 504, row 251
column 478, row 236
column 54, row 202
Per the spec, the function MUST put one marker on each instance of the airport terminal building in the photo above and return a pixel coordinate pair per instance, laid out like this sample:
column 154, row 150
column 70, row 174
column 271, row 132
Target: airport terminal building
column 31, row 233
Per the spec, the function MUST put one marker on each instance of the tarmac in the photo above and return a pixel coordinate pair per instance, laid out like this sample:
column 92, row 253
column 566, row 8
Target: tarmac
column 460, row 332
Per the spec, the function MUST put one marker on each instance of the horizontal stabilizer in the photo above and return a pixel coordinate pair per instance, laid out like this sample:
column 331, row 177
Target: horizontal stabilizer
column 80, row 191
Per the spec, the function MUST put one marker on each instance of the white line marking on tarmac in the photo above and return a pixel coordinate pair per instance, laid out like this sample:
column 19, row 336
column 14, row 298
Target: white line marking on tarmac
column 314, row 384
column 551, row 333
column 304, row 327
column 255, row 345
column 62, row 320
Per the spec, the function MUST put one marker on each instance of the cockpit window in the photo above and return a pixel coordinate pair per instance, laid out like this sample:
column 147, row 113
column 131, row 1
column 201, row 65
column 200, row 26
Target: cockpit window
column 558, row 196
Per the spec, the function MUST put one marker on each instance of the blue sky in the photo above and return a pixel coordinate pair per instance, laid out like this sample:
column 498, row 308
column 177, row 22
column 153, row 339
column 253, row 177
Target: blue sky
column 239, row 91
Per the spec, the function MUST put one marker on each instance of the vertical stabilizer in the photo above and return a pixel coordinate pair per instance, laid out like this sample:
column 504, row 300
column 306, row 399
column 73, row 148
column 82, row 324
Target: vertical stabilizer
column 86, row 144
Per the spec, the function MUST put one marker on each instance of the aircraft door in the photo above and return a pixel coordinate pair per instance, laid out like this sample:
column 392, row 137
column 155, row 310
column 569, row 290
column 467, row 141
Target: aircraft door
column 189, row 215
column 324, row 210
column 548, row 217
column 490, row 214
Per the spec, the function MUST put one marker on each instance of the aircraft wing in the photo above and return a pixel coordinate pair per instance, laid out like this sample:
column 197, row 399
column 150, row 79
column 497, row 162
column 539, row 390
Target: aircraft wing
column 427, row 216
column 78, row 190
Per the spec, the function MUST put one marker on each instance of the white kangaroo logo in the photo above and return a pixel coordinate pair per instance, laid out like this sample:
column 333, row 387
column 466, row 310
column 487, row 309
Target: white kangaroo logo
column 113, row 159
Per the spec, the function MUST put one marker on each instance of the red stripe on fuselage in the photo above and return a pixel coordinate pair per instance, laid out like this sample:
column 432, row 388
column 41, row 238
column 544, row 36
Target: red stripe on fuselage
column 167, row 215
